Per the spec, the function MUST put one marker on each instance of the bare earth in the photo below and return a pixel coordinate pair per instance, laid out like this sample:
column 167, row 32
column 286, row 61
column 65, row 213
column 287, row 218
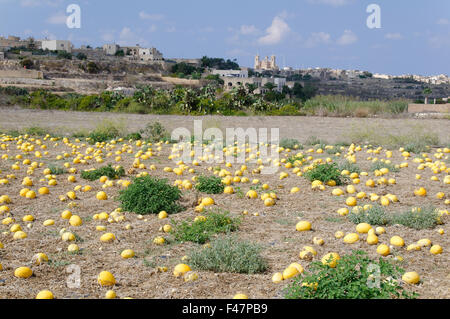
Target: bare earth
column 331, row 129
column 274, row 228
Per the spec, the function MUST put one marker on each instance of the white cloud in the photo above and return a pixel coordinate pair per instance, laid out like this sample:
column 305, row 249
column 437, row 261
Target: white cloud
column 57, row 18
column 248, row 30
column 439, row 41
column 48, row 35
column 317, row 38
column 152, row 28
column 171, row 29
column 393, row 36
column 276, row 32
column 147, row 16
column 335, row 3
column 443, row 21
column 237, row 52
column 129, row 37
column 208, row 29
column 347, row 38
column 38, row 3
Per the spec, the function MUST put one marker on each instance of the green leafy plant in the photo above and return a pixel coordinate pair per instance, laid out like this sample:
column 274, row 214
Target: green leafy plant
column 56, row 170
column 201, row 231
column 375, row 216
column 294, row 159
column 210, row 185
column 356, row 276
column 290, row 143
column 351, row 167
column 325, row 173
column 150, row 195
column 426, row 218
column 379, row 165
column 155, row 132
column 228, row 254
column 108, row 171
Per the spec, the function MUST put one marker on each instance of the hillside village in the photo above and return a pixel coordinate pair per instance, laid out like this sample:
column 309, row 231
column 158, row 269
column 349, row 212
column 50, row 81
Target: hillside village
column 58, row 66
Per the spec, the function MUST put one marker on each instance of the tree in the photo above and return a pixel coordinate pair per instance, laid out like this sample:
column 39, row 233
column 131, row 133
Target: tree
column 81, row 56
column 427, row 91
column 297, row 91
column 251, row 87
column 27, row 63
column 269, row 86
column 120, row 53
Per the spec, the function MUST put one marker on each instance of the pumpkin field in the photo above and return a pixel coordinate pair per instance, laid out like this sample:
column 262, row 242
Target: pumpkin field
column 126, row 217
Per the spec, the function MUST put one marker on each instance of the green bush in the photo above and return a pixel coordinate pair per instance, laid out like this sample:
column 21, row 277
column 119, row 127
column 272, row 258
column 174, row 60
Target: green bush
column 426, row 218
column 379, row 165
column 294, row 159
column 149, row 195
column 228, row 254
column 36, row 131
column 356, row 276
column 56, row 170
column 105, row 131
column 201, row 231
column 325, row 173
column 155, row 132
column 290, row 143
column 351, row 167
column 210, row 185
column 375, row 216
column 108, row 171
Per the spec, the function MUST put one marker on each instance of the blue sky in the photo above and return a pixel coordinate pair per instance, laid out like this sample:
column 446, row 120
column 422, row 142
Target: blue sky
column 414, row 36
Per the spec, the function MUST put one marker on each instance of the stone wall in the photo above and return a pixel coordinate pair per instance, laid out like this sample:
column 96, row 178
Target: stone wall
column 25, row 74
column 435, row 108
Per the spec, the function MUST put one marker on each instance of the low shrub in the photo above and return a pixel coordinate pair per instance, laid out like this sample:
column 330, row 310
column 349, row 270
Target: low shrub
column 155, row 132
column 325, row 173
column 56, row 170
column 150, row 195
column 422, row 218
column 93, row 175
column 36, row 131
column 375, row 216
column 210, row 185
column 425, row 218
column 294, row 159
column 356, row 276
column 351, row 167
column 201, row 231
column 379, row 165
column 290, row 143
column 228, row 254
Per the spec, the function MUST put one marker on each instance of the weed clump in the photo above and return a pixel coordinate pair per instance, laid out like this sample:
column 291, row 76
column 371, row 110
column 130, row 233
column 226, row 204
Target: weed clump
column 228, row 254
column 149, row 195
column 108, row 171
column 210, row 185
column 325, row 173
column 201, row 230
column 356, row 276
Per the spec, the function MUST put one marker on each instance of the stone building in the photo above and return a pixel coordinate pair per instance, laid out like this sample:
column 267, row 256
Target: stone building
column 234, row 82
column 266, row 64
column 110, row 49
column 232, row 73
column 57, row 45
column 150, row 54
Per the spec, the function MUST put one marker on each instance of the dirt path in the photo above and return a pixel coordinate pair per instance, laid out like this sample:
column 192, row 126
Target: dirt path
column 330, row 129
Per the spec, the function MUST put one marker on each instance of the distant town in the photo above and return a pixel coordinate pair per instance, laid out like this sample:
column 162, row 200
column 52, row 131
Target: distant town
column 185, row 71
